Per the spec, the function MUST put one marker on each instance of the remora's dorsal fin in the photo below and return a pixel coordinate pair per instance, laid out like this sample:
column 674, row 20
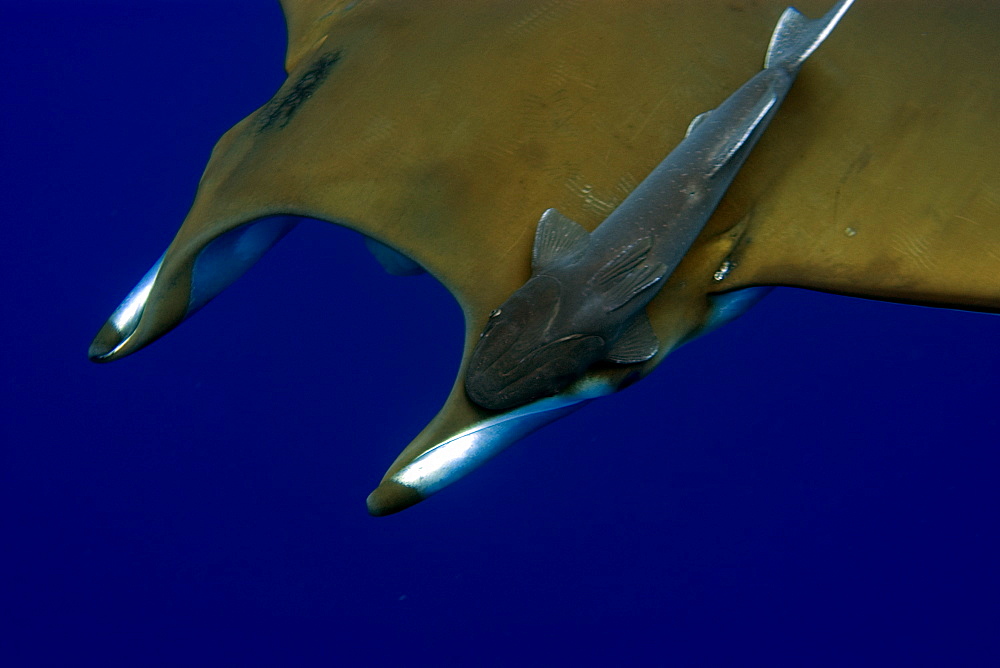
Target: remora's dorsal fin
column 637, row 344
column 556, row 236
column 626, row 275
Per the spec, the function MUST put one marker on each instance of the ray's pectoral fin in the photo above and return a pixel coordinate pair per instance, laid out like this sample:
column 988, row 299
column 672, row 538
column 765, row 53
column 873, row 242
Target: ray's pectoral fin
column 895, row 190
column 934, row 246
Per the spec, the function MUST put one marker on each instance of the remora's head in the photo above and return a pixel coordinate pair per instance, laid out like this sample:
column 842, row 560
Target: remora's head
column 531, row 348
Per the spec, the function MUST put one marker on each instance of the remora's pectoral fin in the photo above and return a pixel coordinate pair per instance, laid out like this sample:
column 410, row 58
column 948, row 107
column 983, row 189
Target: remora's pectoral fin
column 556, row 237
column 637, row 344
column 627, row 275
column 903, row 204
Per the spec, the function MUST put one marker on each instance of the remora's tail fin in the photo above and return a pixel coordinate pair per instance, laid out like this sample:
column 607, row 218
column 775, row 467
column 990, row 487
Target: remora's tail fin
column 796, row 37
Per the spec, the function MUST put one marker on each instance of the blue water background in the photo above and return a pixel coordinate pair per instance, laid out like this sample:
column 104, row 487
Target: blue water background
column 814, row 484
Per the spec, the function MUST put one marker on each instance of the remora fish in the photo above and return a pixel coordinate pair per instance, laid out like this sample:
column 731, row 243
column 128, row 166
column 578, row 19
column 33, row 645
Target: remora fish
column 585, row 301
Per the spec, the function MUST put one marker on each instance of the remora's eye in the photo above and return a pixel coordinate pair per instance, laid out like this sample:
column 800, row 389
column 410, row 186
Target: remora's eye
column 495, row 313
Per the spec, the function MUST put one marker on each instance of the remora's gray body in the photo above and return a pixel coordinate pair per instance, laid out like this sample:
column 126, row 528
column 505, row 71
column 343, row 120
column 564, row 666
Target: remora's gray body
column 584, row 301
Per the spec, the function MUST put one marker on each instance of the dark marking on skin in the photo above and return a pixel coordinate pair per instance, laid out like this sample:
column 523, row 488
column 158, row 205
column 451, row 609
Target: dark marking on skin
column 277, row 113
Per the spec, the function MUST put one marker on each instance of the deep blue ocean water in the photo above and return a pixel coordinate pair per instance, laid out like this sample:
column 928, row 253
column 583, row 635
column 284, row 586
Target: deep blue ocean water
column 814, row 484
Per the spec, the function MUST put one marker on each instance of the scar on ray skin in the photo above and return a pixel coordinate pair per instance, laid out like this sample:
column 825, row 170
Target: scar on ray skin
column 279, row 111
